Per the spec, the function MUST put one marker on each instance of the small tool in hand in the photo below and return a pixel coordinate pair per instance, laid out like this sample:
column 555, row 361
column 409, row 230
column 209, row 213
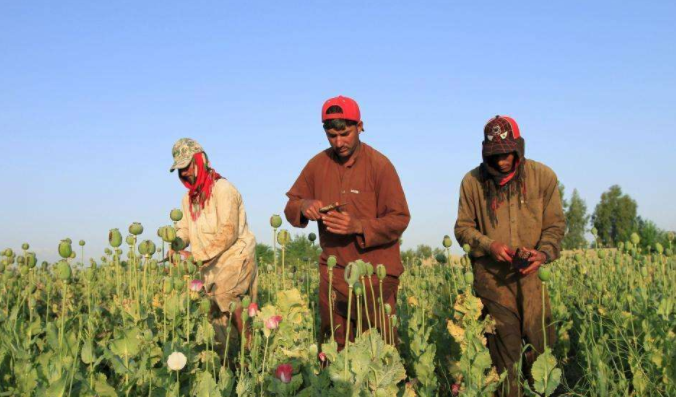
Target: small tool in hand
column 331, row 207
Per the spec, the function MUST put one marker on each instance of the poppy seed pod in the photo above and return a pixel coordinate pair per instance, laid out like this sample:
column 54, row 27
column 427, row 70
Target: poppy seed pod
column 351, row 274
column 82, row 243
column 469, row 277
column 130, row 239
column 8, row 252
column 283, row 237
column 312, row 237
column 447, row 241
column 135, row 228
column 466, row 248
column 331, row 262
column 168, row 285
column 275, row 221
column 369, row 269
column 115, row 238
column 178, row 244
column 388, row 309
column 358, row 289
column 25, row 246
column 20, row 260
column 23, row 270
column 246, row 301
column 176, row 215
column 545, row 274
column 146, row 248
column 205, row 306
column 381, row 272
column 3, row 265
column 659, row 248
column 31, row 260
column 635, row 238
column 65, row 250
column 63, row 271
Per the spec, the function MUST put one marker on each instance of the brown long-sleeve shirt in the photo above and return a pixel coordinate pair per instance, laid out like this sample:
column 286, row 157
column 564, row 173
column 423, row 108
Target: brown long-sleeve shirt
column 537, row 222
column 370, row 187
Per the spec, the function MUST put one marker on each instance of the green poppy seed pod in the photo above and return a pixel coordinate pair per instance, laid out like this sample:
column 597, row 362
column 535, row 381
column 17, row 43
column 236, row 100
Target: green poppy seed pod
column 25, row 246
column 205, row 306
column 169, row 234
column 82, row 243
column 176, row 215
column 447, row 241
column 92, row 263
column 628, row 246
column 20, row 260
column 246, row 301
column 63, row 271
column 283, row 237
column 671, row 236
column 153, row 264
column 31, row 260
column 394, row 320
column 118, row 251
column 149, row 247
column 135, row 228
column 601, row 254
column 358, row 289
column 369, row 269
column 178, row 244
column 142, row 249
column 578, row 258
column 331, row 262
column 594, row 232
column 635, row 238
column 545, row 274
column 620, row 246
column 191, row 267
column 351, row 274
column 312, row 237
column 659, row 248
column 130, row 240
column 232, row 307
column 644, row 271
column 168, row 285
column 381, row 272
column 388, row 309
column 23, row 270
column 275, row 221
column 179, row 284
column 469, row 277
column 69, row 240
column 8, row 252
column 441, row 258
column 3, row 265
column 360, row 267
column 466, row 248
column 115, row 238
column 73, row 255
column 65, row 250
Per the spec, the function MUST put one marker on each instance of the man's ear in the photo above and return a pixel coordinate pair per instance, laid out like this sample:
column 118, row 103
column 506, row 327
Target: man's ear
column 360, row 127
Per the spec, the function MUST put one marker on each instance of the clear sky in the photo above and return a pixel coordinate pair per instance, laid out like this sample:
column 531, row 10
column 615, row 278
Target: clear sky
column 93, row 95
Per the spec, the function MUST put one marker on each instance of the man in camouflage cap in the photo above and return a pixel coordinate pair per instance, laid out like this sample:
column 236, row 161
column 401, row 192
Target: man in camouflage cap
column 215, row 227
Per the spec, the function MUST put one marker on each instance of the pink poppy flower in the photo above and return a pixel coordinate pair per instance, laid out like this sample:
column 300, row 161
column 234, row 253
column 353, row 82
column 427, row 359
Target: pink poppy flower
column 253, row 309
column 273, row 322
column 196, row 285
column 284, row 372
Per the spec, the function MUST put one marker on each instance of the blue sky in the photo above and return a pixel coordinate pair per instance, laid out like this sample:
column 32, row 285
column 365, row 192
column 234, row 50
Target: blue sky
column 94, row 94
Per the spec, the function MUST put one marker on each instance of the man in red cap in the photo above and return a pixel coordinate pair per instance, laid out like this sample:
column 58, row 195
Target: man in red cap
column 367, row 225
column 510, row 203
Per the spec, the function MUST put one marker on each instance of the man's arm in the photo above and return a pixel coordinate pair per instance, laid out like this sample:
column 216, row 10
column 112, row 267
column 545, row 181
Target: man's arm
column 393, row 215
column 182, row 225
column 228, row 201
column 553, row 219
column 466, row 228
column 301, row 190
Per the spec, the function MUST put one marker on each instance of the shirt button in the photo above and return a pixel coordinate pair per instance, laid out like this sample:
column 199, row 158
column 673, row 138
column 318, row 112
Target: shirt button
column 513, row 220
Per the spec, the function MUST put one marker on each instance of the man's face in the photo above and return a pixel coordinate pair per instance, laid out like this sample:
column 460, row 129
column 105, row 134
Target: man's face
column 188, row 173
column 345, row 142
column 502, row 162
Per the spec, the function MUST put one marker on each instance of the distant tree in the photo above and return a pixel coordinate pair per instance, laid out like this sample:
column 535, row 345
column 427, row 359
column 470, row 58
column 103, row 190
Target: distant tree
column 614, row 216
column 576, row 223
column 564, row 202
column 407, row 256
column 301, row 249
column 423, row 251
column 264, row 253
column 650, row 234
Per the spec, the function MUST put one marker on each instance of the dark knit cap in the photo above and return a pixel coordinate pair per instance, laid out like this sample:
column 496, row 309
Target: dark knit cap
column 501, row 135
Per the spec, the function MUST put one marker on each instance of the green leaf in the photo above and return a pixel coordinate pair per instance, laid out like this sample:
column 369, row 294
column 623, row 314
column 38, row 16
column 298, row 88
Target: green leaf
column 545, row 374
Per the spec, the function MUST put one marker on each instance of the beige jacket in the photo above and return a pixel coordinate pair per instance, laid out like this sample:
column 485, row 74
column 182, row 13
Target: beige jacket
column 221, row 239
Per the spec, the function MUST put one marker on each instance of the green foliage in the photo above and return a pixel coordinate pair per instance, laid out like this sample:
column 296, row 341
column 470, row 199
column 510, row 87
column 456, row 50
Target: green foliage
column 614, row 216
column 576, row 223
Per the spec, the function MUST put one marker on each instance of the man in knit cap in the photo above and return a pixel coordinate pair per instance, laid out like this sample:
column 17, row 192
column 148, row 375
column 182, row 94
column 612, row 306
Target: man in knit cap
column 508, row 203
column 215, row 226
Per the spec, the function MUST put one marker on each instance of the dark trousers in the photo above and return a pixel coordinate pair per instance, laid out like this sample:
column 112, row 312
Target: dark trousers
column 339, row 293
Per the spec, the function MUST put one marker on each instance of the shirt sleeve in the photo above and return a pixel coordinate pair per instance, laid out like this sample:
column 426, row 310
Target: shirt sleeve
column 301, row 190
column 553, row 219
column 392, row 209
column 228, row 201
column 466, row 226
column 182, row 225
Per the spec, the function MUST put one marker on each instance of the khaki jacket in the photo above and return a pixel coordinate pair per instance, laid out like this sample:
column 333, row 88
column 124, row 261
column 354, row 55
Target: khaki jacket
column 221, row 239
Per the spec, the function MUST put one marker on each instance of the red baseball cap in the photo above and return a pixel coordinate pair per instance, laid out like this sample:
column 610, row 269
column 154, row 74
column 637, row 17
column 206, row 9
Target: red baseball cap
column 348, row 105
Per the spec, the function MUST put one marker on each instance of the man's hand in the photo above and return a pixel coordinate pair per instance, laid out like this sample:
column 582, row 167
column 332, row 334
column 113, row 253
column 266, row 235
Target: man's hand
column 342, row 223
column 310, row 209
column 184, row 254
column 537, row 259
column 501, row 252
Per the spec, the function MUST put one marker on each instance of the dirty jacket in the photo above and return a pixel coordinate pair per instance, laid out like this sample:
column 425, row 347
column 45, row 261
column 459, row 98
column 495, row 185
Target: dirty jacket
column 221, row 239
column 372, row 191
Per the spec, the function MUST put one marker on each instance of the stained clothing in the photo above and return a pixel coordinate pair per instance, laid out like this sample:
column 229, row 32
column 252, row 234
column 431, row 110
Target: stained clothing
column 221, row 239
column 370, row 187
column 514, row 301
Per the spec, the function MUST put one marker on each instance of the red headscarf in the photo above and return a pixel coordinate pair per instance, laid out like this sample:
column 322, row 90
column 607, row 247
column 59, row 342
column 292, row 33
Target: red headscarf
column 200, row 191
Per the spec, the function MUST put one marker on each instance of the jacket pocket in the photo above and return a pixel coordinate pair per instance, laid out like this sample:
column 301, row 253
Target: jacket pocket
column 364, row 204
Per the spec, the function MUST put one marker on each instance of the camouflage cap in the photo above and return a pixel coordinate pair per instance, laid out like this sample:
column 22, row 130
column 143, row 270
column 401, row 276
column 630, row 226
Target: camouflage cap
column 183, row 152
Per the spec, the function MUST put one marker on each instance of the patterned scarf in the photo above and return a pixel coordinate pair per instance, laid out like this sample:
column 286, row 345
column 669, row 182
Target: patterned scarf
column 200, row 192
column 500, row 186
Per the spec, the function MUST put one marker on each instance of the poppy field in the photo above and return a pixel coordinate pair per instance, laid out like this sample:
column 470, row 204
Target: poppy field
column 133, row 324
